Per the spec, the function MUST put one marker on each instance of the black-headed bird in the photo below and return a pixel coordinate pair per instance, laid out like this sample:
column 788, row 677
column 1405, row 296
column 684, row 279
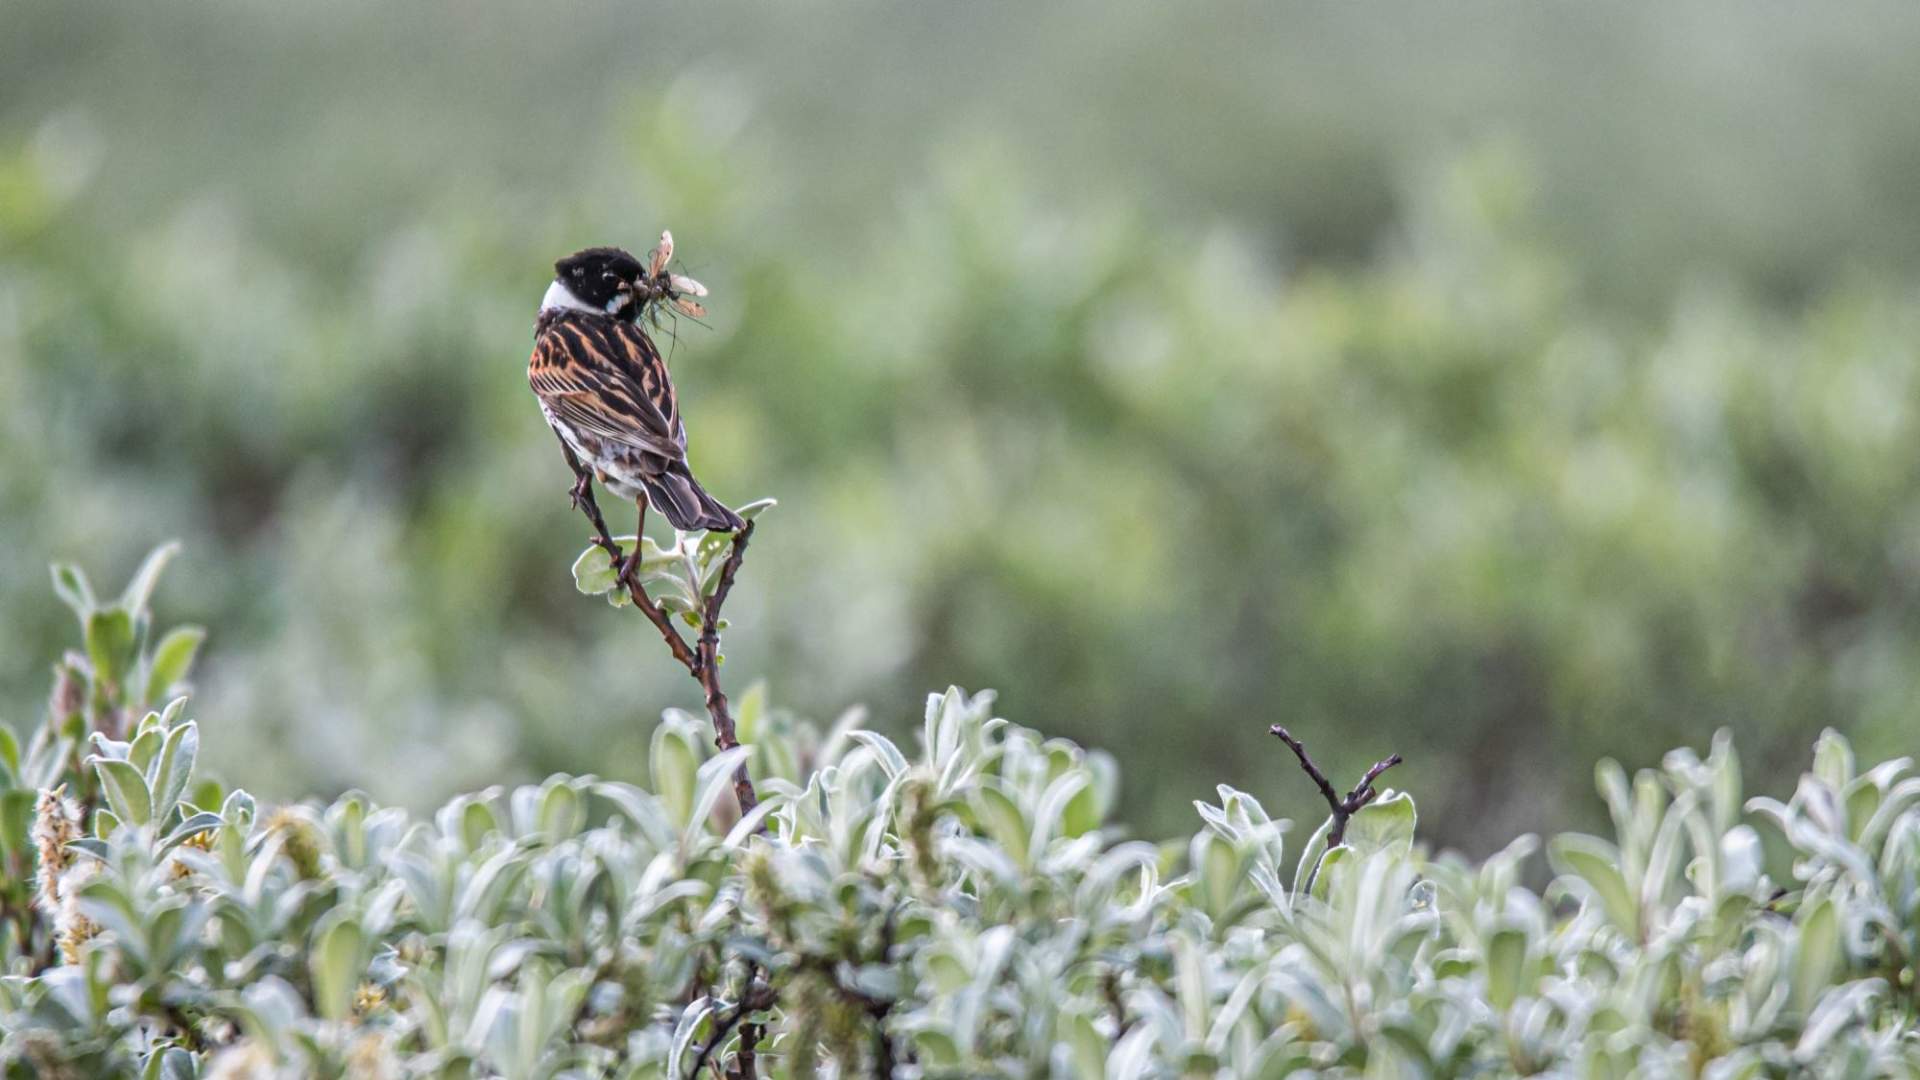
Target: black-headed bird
column 603, row 384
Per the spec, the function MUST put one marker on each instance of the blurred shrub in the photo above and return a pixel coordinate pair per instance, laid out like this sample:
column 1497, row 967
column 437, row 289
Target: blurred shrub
column 1159, row 488
column 967, row 910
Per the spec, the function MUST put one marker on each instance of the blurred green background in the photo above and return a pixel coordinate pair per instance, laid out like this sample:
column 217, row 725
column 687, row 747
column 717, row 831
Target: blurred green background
column 1505, row 385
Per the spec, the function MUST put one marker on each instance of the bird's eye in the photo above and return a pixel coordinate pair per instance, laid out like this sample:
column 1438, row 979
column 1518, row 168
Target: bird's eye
column 578, row 271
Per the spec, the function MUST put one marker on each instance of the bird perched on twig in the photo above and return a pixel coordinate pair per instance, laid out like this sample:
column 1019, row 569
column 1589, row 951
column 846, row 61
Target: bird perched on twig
column 604, row 388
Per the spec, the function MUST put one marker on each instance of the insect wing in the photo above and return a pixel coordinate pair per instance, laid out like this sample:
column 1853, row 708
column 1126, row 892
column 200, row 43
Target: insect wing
column 663, row 254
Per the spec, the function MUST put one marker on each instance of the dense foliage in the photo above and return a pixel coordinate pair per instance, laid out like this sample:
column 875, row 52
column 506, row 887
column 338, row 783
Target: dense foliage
column 1268, row 368
column 966, row 908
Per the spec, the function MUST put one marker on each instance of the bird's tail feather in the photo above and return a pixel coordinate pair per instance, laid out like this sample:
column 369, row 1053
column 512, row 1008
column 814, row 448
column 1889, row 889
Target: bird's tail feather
column 687, row 505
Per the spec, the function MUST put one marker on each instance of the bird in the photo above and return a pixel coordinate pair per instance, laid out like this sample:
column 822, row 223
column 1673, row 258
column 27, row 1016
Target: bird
column 604, row 389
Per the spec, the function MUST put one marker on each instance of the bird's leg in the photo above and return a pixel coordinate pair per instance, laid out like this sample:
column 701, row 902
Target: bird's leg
column 582, row 494
column 632, row 562
column 582, row 488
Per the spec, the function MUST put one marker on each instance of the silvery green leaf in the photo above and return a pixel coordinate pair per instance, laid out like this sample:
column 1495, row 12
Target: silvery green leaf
column 1901, row 798
column 70, row 584
column 1088, row 1049
column 748, row 711
column 1817, row 952
column 892, row 761
column 755, row 508
column 106, row 747
column 483, row 894
column 1663, row 858
column 675, row 763
column 1740, row 858
column 198, row 823
column 593, row 571
column 146, row 744
column 1833, row 760
column 170, row 1063
column 983, row 859
column 171, row 768
column 1385, row 824
column 1596, row 864
column 561, row 813
column 1723, row 764
column 750, row 824
column 1838, row 1008
column 125, row 788
column 1225, row 1019
column 1310, row 856
column 713, row 780
column 1003, row 821
column 140, row 590
column 1745, row 1063
column 646, row 812
column 879, row 981
column 1132, row 1057
column 106, row 902
column 1215, row 871
column 1611, row 780
column 110, row 641
column 684, row 1031
column 66, row 989
column 1506, row 965
column 1049, row 815
column 172, row 659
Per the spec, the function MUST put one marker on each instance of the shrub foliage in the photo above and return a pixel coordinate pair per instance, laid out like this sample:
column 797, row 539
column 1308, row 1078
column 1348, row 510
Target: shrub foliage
column 964, row 907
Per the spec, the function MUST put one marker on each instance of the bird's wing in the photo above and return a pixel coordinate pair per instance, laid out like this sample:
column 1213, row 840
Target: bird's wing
column 605, row 378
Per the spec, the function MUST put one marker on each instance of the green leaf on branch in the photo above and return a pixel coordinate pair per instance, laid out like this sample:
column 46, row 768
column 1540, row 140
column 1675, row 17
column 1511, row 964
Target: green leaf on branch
column 70, row 585
column 126, row 790
column 593, row 571
column 1383, row 825
column 172, row 659
column 1597, row 863
column 674, row 761
column 172, row 768
column 110, row 642
column 140, row 590
column 336, row 963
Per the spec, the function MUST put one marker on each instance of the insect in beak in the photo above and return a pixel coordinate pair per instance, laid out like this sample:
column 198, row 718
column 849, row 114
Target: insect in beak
column 661, row 255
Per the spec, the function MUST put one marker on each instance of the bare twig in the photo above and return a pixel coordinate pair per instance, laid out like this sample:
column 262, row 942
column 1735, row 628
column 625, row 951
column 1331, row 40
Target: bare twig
column 1342, row 808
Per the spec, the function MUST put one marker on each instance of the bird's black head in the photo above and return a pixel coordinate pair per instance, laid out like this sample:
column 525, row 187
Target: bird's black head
column 597, row 276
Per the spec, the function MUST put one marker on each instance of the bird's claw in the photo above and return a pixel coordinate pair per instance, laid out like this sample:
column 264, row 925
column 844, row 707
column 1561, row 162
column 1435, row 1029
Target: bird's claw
column 579, row 491
column 628, row 566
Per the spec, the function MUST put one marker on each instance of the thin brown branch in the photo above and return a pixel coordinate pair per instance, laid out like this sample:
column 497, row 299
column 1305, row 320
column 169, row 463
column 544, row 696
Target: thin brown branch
column 746, row 1060
column 1342, row 808
column 700, row 659
column 582, row 494
column 707, row 669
